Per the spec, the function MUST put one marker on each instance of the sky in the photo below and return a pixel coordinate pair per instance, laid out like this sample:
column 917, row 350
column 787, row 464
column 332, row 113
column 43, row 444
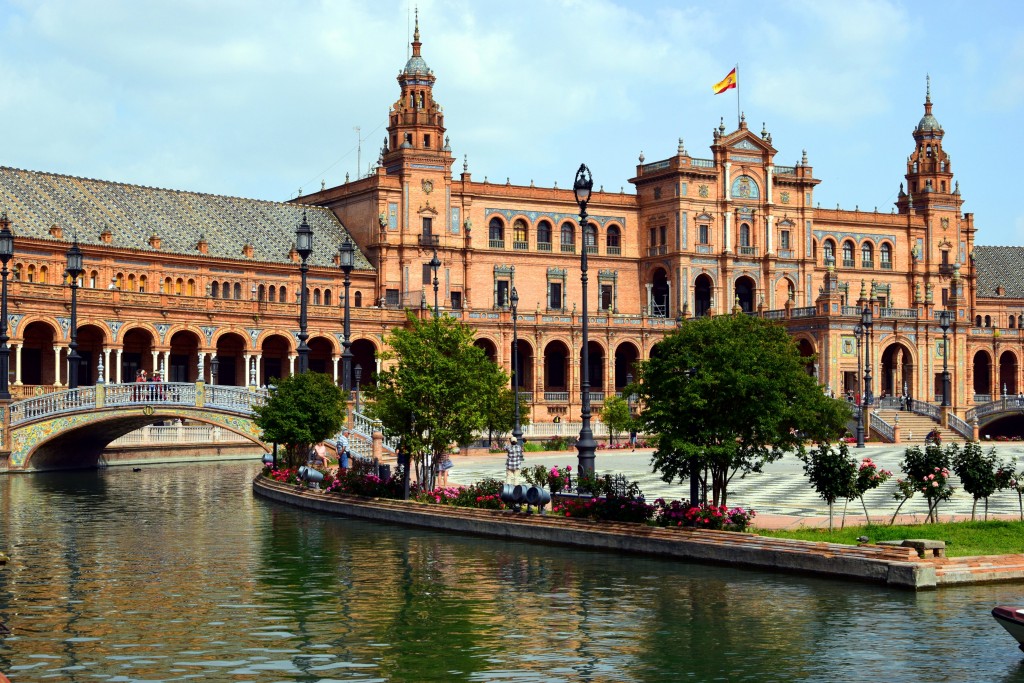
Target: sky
column 260, row 99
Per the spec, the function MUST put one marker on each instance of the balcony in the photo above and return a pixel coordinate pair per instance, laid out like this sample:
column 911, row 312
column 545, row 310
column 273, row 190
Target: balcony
column 429, row 240
column 614, row 251
column 568, row 248
column 849, row 263
column 543, row 246
column 748, row 251
column 591, row 248
column 885, row 265
column 520, row 246
column 659, row 250
column 556, row 396
column 867, row 264
column 496, row 244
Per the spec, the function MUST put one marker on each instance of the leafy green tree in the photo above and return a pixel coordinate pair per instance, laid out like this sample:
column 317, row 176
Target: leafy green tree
column 978, row 472
column 615, row 415
column 439, row 389
column 833, row 474
column 728, row 394
column 500, row 411
column 928, row 472
column 302, row 410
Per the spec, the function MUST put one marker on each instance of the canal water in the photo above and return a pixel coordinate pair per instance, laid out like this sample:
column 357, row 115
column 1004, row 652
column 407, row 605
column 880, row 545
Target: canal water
column 178, row 573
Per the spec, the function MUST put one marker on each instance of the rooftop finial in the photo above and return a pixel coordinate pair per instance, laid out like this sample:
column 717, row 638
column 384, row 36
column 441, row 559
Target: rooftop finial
column 416, row 31
column 927, row 88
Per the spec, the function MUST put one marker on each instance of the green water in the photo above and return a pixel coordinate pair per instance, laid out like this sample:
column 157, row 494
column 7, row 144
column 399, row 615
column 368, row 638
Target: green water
column 179, row 573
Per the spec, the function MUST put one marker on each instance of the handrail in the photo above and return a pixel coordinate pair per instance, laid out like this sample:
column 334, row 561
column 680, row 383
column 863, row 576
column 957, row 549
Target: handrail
column 957, row 425
column 1000, row 405
column 882, row 427
column 927, row 409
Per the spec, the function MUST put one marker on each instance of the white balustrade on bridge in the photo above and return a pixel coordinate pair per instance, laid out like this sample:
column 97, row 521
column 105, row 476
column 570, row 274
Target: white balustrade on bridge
column 158, row 435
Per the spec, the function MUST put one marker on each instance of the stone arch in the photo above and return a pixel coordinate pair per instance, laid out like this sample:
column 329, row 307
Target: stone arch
column 321, row 352
column 1008, row 373
column 626, row 357
column 806, row 347
column 556, row 366
column 91, row 339
column 596, row 364
column 137, row 344
column 274, row 363
column 184, row 346
column 982, row 365
column 489, row 347
column 896, row 366
column 364, row 354
column 746, row 292
column 659, row 301
column 703, row 295
column 523, row 381
column 785, row 290
column 230, row 347
column 39, row 363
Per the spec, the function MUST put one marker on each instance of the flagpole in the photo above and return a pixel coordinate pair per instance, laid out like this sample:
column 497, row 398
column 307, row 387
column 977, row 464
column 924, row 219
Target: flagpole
column 737, row 95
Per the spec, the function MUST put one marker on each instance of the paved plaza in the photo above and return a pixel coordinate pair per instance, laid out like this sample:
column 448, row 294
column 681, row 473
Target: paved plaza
column 781, row 495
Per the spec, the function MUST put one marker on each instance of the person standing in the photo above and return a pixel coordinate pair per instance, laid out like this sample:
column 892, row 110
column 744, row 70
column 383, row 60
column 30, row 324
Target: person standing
column 343, row 444
column 632, row 438
column 513, row 462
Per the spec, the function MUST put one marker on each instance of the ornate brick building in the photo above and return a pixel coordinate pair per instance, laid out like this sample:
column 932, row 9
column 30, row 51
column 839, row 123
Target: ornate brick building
column 174, row 278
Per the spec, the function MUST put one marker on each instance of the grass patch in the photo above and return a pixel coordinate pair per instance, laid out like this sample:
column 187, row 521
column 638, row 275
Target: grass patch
column 962, row 538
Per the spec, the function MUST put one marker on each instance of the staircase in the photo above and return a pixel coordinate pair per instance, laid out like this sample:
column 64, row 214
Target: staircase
column 914, row 428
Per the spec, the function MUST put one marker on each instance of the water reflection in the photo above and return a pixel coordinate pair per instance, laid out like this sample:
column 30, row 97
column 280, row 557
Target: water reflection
column 177, row 572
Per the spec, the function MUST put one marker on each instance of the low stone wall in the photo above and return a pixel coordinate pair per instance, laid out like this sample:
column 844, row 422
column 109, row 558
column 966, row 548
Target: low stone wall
column 129, row 455
column 897, row 567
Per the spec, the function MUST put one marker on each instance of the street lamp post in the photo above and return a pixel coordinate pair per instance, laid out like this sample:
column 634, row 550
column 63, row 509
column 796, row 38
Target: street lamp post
column 346, row 262
column 517, row 431
column 6, row 254
column 585, row 445
column 434, row 264
column 74, row 271
column 304, row 246
column 865, row 320
column 214, row 368
column 858, row 332
column 359, row 376
column 944, row 324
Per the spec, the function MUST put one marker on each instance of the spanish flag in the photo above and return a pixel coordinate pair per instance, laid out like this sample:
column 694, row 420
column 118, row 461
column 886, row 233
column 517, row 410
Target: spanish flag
column 726, row 83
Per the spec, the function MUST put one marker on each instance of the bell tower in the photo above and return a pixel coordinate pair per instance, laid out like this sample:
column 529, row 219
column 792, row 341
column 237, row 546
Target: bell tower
column 929, row 171
column 416, row 121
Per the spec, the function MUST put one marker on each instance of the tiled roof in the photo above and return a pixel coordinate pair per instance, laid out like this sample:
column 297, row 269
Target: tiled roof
column 997, row 266
column 35, row 201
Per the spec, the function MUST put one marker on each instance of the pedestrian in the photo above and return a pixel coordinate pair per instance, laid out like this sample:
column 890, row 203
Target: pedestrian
column 443, row 467
column 342, row 445
column 632, row 438
column 513, row 462
column 318, row 455
column 935, row 437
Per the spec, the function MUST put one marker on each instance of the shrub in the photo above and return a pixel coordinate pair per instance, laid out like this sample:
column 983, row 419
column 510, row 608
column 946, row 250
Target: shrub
column 670, row 513
column 720, row 517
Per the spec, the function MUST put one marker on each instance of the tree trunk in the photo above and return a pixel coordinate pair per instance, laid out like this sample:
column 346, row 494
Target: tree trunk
column 893, row 520
column 974, row 506
column 842, row 524
column 867, row 518
column 830, row 517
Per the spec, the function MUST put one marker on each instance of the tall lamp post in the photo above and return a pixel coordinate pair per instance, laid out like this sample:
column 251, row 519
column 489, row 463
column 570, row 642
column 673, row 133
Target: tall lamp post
column 434, row 264
column 517, row 430
column 74, row 271
column 346, row 262
column 858, row 332
column 866, row 322
column 6, row 253
column 303, row 245
column 944, row 324
column 585, row 445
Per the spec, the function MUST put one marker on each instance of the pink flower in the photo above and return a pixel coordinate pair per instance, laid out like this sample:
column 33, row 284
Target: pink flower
column 935, row 483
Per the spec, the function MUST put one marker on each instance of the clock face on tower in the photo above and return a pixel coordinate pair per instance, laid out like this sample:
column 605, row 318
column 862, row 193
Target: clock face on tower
column 428, row 186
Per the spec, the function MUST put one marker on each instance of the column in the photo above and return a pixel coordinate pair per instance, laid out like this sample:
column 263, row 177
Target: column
column 291, row 364
column 771, row 233
column 648, row 310
column 56, row 367
column 17, row 364
column 248, row 363
column 109, row 371
column 768, row 184
column 728, row 231
column 260, row 380
column 117, row 362
column 166, row 369
column 668, row 301
column 727, row 165
column 334, row 362
column 156, row 362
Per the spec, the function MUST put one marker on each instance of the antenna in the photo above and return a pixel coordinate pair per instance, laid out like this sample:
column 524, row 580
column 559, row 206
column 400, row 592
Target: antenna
column 359, row 151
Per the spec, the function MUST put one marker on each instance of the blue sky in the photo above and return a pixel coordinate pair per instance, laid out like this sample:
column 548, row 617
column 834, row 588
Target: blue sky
column 258, row 99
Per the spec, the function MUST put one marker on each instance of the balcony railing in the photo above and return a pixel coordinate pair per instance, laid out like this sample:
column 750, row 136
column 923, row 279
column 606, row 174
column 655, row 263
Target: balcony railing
column 520, row 246
column 556, row 396
column 849, row 263
column 867, row 264
column 885, row 265
column 591, row 248
column 787, row 253
column 543, row 246
column 659, row 250
column 614, row 251
column 568, row 248
column 496, row 244
column 429, row 240
column 748, row 251
column 597, row 397
column 705, row 249
column 902, row 313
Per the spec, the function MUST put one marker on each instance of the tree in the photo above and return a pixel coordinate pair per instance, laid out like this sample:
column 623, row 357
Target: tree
column 728, row 394
column 978, row 473
column 615, row 415
column 439, row 390
column 302, row 410
column 500, row 412
column 928, row 472
column 832, row 473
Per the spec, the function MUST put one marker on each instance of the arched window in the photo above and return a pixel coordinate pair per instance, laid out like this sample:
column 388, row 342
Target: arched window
column 496, row 232
column 885, row 255
column 568, row 237
column 867, row 255
column 830, row 251
column 17, row 271
column 316, row 296
column 131, row 282
column 591, row 238
column 215, row 289
column 544, row 235
column 262, row 292
column 93, row 277
column 519, row 234
column 272, row 295
column 977, row 321
column 988, row 321
column 191, row 287
column 744, row 235
column 142, row 283
column 282, row 294
column 1011, row 322
column 848, row 261
column 327, row 297
column 613, row 240
column 43, row 274
column 179, row 286
column 359, row 299
column 168, row 285
column 32, row 273
column 238, row 290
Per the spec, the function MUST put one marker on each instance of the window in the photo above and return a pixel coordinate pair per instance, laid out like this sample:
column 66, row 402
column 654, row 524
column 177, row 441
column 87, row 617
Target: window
column 31, row 273
column 663, row 235
column 848, row 261
column 613, row 240
column 555, row 295
column 744, row 235
column 501, row 295
column 92, row 279
column 784, row 240
column 238, row 290
column 830, row 251
column 427, row 274
column 359, row 299
column 316, row 297
column 428, row 230
column 591, row 238
column 191, row 287
column 456, row 300
column 426, row 140
column 544, row 235
column 327, row 297
column 261, row 294
column 702, row 234
column 272, row 293
column 606, row 297
column 282, row 294
column 885, row 253
column 496, row 233
column 568, row 237
column 519, row 234
column 215, row 289
column 179, row 285
column 867, row 255
column 142, row 283
column 391, row 297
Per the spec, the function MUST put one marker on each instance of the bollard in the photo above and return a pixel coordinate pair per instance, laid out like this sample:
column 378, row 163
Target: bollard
column 535, row 495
